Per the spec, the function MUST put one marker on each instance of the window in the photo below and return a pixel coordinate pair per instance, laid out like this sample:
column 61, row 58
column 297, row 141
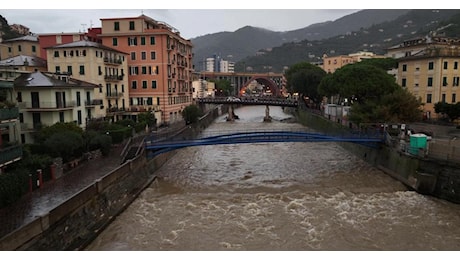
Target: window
column 19, row 97
column 455, row 65
column 116, row 26
column 69, row 70
column 122, row 88
column 56, row 53
column 82, row 70
column 154, row 84
column 428, row 98
column 430, row 65
column 149, row 101
column 142, row 40
column 131, row 25
column 143, row 55
column 61, row 117
column 152, row 40
column 152, row 55
column 158, row 100
column 79, row 117
column 144, row 70
column 454, row 98
column 133, row 56
column 58, row 69
column 19, row 48
column 443, row 98
column 34, row 48
column 78, row 99
column 9, row 49
column 403, row 82
column 134, row 84
column 99, row 70
column 114, row 41
column 144, row 84
column 132, row 41
column 430, row 82
column 444, row 81
column 445, row 65
column 455, row 81
column 404, row 67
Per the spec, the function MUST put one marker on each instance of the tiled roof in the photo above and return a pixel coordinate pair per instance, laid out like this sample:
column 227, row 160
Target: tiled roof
column 29, row 38
column 21, row 59
column 40, row 79
column 84, row 43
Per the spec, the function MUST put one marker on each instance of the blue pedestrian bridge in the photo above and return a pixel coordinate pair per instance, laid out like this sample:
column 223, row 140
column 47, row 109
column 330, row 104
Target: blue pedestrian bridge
column 156, row 145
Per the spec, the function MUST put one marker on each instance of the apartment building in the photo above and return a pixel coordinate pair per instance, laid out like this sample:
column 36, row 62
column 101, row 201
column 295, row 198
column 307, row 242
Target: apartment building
column 203, row 88
column 44, row 99
column 52, row 39
column 159, row 65
column 100, row 65
column 331, row 64
column 25, row 45
column 429, row 69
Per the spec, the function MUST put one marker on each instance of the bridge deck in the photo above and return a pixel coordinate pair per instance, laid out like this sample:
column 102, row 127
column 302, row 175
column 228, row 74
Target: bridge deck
column 158, row 145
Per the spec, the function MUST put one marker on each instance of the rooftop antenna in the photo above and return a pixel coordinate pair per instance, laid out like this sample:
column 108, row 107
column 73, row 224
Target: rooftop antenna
column 91, row 24
column 84, row 26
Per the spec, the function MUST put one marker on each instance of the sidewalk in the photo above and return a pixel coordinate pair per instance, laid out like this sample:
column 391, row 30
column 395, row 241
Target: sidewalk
column 53, row 193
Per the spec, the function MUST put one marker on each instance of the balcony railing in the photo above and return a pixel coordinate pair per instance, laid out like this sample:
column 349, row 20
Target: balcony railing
column 113, row 77
column 47, row 105
column 114, row 95
column 9, row 113
column 94, row 102
column 112, row 61
column 10, row 154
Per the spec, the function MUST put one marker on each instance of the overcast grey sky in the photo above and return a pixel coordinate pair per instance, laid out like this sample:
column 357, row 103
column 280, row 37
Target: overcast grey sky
column 192, row 18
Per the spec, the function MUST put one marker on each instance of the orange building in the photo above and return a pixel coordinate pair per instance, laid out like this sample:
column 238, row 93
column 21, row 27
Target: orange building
column 159, row 64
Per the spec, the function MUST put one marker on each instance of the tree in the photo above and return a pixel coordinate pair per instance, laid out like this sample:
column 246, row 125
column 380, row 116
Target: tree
column 373, row 93
column 58, row 127
column 223, row 87
column 452, row 111
column 191, row 114
column 65, row 144
column 147, row 118
column 304, row 78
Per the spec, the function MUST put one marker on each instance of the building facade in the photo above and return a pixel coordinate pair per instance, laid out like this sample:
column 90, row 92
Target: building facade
column 429, row 69
column 44, row 99
column 100, row 65
column 331, row 64
column 159, row 65
column 25, row 45
column 52, row 39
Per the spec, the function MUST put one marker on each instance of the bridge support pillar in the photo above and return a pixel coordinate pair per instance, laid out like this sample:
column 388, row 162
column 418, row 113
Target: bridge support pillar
column 267, row 117
column 231, row 114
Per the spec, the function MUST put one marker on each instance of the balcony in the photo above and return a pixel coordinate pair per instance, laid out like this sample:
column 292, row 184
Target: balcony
column 7, row 114
column 10, row 154
column 46, row 106
column 115, row 110
column 108, row 60
column 114, row 95
column 93, row 103
column 113, row 77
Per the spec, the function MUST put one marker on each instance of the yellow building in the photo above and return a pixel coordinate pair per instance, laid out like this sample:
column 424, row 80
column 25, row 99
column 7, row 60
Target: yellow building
column 100, row 65
column 331, row 64
column 429, row 69
column 25, row 45
column 45, row 99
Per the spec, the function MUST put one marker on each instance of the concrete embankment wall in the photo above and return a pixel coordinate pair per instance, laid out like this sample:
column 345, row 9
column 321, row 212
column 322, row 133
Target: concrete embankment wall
column 75, row 223
column 425, row 175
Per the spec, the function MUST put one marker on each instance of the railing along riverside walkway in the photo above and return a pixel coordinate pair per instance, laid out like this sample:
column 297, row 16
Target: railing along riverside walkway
column 156, row 145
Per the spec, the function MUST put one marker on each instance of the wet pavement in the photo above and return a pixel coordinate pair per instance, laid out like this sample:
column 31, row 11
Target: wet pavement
column 53, row 193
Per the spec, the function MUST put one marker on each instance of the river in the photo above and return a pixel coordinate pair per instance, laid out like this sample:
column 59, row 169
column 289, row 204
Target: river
column 278, row 196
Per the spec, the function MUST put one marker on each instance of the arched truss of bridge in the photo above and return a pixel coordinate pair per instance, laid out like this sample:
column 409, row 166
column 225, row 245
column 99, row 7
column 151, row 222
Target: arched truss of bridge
column 266, row 81
column 155, row 147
